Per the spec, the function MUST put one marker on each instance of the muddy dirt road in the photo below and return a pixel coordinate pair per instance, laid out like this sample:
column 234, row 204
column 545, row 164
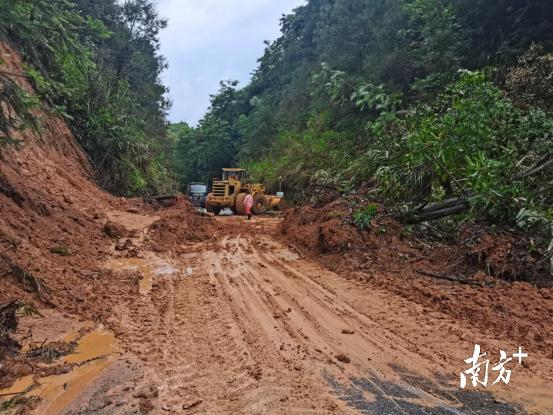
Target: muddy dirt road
column 158, row 311
column 245, row 324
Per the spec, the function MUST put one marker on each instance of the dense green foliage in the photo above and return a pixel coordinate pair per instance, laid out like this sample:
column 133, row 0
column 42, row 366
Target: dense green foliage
column 412, row 101
column 97, row 64
column 416, row 99
column 21, row 105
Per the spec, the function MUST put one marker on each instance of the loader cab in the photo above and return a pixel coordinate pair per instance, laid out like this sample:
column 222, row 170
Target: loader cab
column 232, row 183
column 235, row 180
column 240, row 175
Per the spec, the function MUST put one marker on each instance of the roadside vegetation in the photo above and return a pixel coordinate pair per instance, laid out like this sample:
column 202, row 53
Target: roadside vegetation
column 96, row 64
column 437, row 110
column 433, row 107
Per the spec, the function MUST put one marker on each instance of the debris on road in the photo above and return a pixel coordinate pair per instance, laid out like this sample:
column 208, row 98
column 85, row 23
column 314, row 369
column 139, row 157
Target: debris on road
column 343, row 358
column 226, row 212
column 203, row 212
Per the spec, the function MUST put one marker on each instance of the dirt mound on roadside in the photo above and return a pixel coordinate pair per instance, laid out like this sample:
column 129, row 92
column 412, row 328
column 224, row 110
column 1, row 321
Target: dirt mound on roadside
column 328, row 230
column 177, row 226
column 505, row 255
column 319, row 230
column 445, row 278
column 52, row 217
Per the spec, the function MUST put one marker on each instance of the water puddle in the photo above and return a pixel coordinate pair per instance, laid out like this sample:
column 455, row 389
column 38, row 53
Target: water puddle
column 58, row 391
column 149, row 268
column 94, row 353
column 97, row 344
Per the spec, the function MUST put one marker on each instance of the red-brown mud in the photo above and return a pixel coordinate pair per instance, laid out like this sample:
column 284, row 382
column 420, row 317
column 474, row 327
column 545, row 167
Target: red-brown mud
column 163, row 311
column 384, row 257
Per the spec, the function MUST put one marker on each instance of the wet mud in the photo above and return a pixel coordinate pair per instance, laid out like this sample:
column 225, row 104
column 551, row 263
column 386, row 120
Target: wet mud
column 245, row 323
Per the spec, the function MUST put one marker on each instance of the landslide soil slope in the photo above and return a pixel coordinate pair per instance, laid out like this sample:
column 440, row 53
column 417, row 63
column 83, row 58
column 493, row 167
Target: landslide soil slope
column 168, row 312
column 48, row 202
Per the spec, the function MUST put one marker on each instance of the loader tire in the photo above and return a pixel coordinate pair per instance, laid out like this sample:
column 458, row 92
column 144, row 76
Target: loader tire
column 260, row 204
column 239, row 204
column 212, row 209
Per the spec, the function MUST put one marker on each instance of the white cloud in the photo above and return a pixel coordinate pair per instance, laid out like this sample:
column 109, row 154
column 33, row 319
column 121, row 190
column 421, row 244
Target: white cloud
column 211, row 40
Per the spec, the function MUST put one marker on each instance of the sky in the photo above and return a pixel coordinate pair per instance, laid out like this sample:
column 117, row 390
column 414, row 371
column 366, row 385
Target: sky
column 212, row 40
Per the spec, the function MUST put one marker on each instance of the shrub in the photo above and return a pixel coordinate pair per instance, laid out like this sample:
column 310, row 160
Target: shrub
column 363, row 217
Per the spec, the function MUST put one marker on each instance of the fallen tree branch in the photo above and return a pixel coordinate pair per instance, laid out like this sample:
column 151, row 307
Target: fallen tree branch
column 541, row 165
column 297, row 250
column 29, row 281
column 441, row 205
column 436, row 205
column 442, row 213
column 458, row 279
column 437, row 210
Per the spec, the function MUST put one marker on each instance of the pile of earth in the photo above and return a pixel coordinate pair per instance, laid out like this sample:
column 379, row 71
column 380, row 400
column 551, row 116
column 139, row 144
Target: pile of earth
column 55, row 232
column 179, row 225
column 469, row 280
column 329, row 230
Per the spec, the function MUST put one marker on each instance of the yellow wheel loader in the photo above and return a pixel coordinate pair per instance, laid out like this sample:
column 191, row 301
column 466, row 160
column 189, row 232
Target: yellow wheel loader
column 230, row 191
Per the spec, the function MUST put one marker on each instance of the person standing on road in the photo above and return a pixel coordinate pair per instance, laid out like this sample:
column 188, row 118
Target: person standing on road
column 248, row 204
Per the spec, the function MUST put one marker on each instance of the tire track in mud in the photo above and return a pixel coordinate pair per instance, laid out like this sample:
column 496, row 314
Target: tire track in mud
column 203, row 366
column 315, row 340
column 370, row 332
column 238, row 328
column 320, row 321
column 281, row 387
column 204, row 348
column 330, row 315
column 319, row 326
column 317, row 311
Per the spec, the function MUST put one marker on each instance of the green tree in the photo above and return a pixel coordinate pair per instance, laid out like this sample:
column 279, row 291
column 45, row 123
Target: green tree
column 97, row 64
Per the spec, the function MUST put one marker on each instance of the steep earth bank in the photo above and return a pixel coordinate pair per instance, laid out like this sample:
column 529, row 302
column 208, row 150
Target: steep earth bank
column 163, row 311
